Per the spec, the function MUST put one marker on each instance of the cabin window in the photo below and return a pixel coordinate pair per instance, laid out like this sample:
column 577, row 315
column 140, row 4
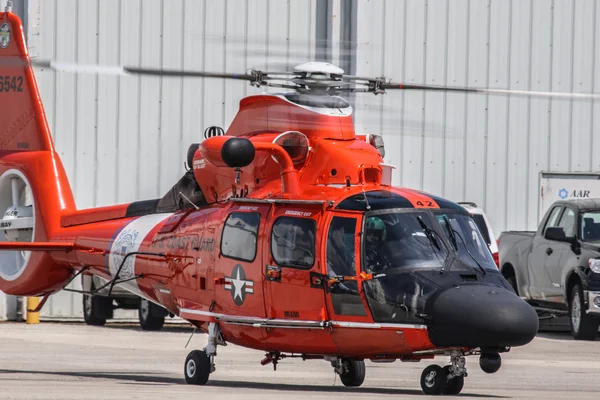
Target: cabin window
column 240, row 236
column 293, row 242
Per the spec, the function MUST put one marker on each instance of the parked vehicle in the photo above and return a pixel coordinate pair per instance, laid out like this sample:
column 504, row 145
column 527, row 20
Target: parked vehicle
column 484, row 226
column 99, row 308
column 557, row 268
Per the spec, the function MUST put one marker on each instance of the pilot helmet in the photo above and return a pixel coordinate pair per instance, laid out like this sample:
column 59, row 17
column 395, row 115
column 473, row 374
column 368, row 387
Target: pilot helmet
column 376, row 227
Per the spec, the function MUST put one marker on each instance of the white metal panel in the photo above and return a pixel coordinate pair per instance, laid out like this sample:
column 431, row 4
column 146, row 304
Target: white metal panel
column 370, row 49
column 387, row 113
column 170, row 100
column 129, row 29
column 85, row 134
column 539, row 113
column 594, row 145
column 583, row 56
column 194, row 55
column 123, row 139
column 435, row 62
column 477, row 105
column 235, row 60
column 108, row 111
column 517, row 129
column 496, row 133
column 151, row 44
column 562, row 81
column 486, row 149
column 454, row 125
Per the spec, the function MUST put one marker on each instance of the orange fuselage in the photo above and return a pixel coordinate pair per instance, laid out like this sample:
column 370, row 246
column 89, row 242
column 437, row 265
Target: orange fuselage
column 183, row 268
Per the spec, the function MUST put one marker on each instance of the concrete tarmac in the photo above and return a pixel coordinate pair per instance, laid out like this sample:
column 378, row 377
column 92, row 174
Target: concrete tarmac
column 75, row 361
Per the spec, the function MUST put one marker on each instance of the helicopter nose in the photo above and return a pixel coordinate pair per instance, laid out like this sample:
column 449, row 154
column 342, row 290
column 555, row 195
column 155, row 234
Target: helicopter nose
column 480, row 316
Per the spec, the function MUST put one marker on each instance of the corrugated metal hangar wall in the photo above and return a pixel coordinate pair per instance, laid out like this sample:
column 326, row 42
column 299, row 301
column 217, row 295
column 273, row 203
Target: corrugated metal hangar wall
column 125, row 139
column 486, row 149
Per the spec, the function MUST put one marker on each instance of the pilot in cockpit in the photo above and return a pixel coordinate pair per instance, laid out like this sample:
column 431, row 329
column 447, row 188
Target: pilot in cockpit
column 375, row 236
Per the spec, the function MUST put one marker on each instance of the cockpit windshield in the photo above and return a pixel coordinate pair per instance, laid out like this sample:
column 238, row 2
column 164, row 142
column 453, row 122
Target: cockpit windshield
column 464, row 236
column 401, row 240
column 401, row 249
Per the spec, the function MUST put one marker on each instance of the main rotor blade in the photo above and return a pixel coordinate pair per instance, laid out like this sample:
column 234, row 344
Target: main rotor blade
column 585, row 96
column 78, row 68
column 112, row 70
column 199, row 74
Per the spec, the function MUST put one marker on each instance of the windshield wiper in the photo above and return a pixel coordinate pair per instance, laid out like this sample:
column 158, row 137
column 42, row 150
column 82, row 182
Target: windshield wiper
column 454, row 233
column 450, row 232
column 428, row 233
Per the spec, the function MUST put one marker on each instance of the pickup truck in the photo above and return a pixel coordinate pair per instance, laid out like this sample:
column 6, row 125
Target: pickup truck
column 557, row 268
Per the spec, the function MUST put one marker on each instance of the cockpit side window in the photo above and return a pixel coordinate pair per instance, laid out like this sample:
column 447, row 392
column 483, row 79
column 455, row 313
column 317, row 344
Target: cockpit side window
column 293, row 242
column 341, row 262
column 341, row 258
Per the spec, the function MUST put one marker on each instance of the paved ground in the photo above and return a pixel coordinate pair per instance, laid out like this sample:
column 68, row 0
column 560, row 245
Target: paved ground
column 74, row 361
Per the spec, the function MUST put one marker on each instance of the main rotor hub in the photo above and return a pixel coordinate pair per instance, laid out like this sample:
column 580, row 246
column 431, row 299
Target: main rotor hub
column 318, row 77
column 318, row 68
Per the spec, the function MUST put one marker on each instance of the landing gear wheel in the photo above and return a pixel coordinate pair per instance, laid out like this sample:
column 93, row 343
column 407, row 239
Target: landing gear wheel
column 197, row 368
column 453, row 385
column 433, row 380
column 354, row 372
column 148, row 320
column 96, row 309
column 583, row 327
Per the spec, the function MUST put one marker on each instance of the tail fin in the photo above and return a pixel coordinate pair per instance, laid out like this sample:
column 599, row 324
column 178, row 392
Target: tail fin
column 34, row 189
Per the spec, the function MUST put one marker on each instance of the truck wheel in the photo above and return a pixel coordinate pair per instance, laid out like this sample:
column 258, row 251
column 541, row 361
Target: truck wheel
column 96, row 309
column 583, row 327
column 149, row 321
column 513, row 283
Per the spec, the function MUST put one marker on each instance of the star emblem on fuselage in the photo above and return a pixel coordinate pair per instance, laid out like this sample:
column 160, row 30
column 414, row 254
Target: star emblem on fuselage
column 238, row 285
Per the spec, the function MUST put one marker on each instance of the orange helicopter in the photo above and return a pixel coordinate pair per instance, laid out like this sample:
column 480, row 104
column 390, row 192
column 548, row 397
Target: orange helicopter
column 284, row 235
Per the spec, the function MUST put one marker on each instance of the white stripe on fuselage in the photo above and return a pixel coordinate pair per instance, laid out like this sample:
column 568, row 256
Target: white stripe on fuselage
column 127, row 241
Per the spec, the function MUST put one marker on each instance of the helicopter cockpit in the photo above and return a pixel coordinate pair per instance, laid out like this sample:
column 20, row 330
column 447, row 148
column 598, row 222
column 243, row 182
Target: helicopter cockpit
column 406, row 255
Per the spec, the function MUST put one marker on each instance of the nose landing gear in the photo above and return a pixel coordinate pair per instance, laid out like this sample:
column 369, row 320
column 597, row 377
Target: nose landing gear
column 199, row 364
column 447, row 380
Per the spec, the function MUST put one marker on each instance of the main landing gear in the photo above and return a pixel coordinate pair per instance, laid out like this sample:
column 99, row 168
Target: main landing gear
column 199, row 364
column 352, row 372
column 451, row 378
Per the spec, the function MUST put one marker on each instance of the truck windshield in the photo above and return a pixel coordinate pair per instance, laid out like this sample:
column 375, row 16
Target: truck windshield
column 590, row 226
column 401, row 240
column 463, row 234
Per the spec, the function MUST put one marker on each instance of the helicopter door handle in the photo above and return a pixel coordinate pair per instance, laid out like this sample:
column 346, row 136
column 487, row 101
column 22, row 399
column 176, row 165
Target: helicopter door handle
column 273, row 273
column 549, row 250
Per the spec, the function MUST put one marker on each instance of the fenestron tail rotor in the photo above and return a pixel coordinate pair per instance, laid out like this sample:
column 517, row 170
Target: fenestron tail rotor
column 318, row 78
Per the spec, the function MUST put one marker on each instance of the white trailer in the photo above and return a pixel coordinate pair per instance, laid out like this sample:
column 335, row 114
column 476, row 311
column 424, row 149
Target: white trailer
column 566, row 185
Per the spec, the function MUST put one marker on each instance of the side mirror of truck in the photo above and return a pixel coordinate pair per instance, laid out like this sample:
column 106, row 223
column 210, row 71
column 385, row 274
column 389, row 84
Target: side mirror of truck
column 557, row 233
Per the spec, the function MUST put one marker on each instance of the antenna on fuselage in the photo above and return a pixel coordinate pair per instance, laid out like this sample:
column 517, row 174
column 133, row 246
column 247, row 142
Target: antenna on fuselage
column 366, row 201
column 191, row 202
